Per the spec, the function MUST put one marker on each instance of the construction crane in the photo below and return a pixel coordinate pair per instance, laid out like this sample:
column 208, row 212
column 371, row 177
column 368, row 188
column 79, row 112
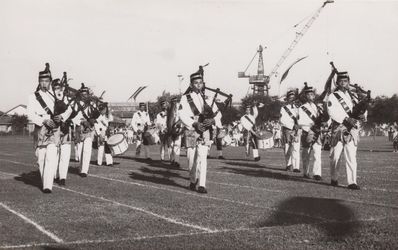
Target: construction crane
column 260, row 81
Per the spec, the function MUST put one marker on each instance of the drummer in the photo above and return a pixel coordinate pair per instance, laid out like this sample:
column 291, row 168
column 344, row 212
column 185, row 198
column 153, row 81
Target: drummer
column 140, row 123
column 102, row 133
column 248, row 122
column 161, row 125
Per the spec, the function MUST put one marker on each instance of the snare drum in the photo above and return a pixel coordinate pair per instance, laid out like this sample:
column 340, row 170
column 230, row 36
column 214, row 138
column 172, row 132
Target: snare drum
column 118, row 144
column 265, row 139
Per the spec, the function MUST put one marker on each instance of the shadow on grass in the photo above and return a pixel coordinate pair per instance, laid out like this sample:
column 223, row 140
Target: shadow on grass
column 32, row 178
column 267, row 173
column 333, row 218
column 163, row 177
column 153, row 163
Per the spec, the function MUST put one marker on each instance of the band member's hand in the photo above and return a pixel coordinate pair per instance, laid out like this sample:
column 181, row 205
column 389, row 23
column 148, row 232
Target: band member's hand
column 295, row 127
column 86, row 124
column 349, row 122
column 139, row 131
column 91, row 121
column 49, row 123
column 57, row 118
column 199, row 127
column 362, row 118
column 209, row 122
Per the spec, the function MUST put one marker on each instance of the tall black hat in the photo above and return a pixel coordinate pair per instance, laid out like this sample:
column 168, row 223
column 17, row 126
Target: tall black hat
column 46, row 73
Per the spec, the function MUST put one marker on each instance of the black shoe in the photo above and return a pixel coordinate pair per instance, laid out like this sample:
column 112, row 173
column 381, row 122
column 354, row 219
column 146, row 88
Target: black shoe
column 317, row 177
column 334, row 183
column 307, row 176
column 202, row 190
column 176, row 164
column 62, row 182
column 47, row 191
column 353, row 187
column 56, row 180
column 257, row 158
column 192, row 186
column 83, row 175
column 289, row 168
column 296, row 170
column 109, row 165
column 149, row 159
column 221, row 157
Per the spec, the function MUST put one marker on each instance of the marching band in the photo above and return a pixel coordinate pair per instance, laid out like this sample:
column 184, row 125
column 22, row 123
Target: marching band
column 63, row 115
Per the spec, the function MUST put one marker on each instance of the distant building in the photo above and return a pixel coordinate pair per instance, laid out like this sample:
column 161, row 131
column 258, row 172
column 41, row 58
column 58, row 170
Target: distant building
column 20, row 109
column 6, row 117
column 123, row 110
column 5, row 124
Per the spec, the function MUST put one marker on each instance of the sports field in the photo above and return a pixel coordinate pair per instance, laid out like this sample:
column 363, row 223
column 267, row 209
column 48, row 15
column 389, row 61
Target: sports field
column 138, row 204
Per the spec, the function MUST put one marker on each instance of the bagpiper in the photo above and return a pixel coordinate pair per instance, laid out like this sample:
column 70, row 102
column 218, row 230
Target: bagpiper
column 345, row 130
column 290, row 132
column 198, row 116
column 309, row 114
column 47, row 132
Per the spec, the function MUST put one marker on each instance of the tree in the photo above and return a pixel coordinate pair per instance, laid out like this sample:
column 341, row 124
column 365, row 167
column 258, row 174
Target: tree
column 271, row 108
column 18, row 123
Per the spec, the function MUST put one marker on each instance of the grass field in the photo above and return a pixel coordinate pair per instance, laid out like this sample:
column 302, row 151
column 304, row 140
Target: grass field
column 138, row 204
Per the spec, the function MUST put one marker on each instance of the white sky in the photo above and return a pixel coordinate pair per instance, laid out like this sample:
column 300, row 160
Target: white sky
column 119, row 45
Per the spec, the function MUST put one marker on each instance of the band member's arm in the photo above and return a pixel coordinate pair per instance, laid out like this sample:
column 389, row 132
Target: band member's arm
column 185, row 113
column 33, row 115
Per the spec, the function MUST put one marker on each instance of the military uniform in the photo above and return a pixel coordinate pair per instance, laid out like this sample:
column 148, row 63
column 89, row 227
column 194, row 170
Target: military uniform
column 41, row 108
column 139, row 123
column 102, row 133
column 174, row 133
column 340, row 104
column 290, row 134
column 86, row 118
column 64, row 151
column 248, row 122
column 192, row 106
column 161, row 125
column 308, row 113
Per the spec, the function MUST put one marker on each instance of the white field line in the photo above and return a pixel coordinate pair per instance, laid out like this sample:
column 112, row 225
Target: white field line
column 27, row 220
column 171, row 220
column 100, row 241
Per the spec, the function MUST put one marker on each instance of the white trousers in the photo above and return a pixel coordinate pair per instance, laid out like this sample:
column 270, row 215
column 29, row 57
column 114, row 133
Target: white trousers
column 292, row 154
column 139, row 147
column 174, row 150
column 78, row 151
column 86, row 155
column 350, row 154
column 199, row 164
column 100, row 156
column 47, row 160
column 63, row 158
column 163, row 144
column 316, row 149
